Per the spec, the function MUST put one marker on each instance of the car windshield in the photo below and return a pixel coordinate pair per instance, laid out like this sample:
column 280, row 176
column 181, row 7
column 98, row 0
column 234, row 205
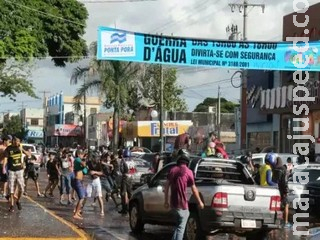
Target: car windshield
column 314, row 175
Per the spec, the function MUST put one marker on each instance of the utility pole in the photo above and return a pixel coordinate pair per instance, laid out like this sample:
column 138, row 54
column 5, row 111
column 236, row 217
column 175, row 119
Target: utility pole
column 243, row 7
column 161, row 110
column 85, row 115
column 219, row 113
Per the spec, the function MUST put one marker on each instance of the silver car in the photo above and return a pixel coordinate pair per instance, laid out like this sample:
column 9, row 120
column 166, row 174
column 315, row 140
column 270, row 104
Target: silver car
column 139, row 166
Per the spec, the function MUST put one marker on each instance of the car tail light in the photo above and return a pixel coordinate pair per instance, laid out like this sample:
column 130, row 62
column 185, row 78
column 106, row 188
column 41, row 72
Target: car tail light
column 132, row 170
column 275, row 203
column 220, row 200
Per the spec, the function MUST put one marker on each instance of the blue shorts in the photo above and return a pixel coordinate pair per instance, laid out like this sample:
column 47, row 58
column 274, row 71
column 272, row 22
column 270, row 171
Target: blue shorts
column 78, row 186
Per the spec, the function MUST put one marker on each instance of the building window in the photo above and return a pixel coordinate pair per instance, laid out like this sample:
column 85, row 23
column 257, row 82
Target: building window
column 34, row 121
column 93, row 110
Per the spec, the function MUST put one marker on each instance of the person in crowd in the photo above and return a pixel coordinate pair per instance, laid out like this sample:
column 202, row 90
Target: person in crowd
column 116, row 174
column 179, row 178
column 126, row 184
column 80, row 169
column 182, row 141
column 255, row 174
column 13, row 164
column 210, row 150
column 4, row 176
column 66, row 169
column 107, row 182
column 31, row 172
column 95, row 189
column 247, row 159
column 265, row 170
column 289, row 166
column 53, row 173
column 155, row 163
column 221, row 152
column 213, row 137
column 280, row 176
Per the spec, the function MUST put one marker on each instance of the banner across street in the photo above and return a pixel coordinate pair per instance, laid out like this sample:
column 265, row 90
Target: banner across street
column 116, row 44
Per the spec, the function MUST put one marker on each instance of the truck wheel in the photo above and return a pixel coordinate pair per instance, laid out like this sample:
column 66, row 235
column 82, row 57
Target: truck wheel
column 135, row 219
column 193, row 228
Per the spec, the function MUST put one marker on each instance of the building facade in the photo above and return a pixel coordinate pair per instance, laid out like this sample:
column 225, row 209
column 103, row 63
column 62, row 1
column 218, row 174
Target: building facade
column 64, row 125
column 279, row 99
column 32, row 121
column 98, row 129
column 262, row 127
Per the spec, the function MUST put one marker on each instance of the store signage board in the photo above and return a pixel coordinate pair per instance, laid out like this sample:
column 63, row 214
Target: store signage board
column 121, row 45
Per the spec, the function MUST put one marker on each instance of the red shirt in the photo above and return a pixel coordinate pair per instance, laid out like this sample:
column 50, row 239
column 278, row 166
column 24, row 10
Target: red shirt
column 180, row 177
column 181, row 141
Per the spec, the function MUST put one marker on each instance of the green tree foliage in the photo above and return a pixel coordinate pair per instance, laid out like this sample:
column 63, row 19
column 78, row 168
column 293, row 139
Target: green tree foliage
column 14, row 127
column 34, row 29
column 149, row 88
column 112, row 80
column 226, row 106
column 37, row 28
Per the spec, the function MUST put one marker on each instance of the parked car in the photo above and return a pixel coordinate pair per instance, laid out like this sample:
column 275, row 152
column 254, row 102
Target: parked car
column 233, row 203
column 258, row 158
column 296, row 187
column 140, row 150
column 140, row 166
column 34, row 152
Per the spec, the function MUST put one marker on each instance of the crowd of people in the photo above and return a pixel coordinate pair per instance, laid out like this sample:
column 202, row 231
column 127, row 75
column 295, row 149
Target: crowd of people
column 66, row 170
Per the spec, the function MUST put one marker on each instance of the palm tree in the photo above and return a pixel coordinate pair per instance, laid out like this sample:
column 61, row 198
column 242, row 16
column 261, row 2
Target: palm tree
column 113, row 81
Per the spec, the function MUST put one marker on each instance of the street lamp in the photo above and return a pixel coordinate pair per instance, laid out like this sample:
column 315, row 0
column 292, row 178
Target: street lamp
column 154, row 114
column 80, row 124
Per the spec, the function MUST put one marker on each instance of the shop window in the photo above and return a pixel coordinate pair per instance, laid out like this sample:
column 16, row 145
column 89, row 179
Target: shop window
column 34, row 122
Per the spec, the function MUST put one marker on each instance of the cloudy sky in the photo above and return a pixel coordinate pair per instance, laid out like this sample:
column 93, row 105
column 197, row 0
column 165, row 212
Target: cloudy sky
column 192, row 18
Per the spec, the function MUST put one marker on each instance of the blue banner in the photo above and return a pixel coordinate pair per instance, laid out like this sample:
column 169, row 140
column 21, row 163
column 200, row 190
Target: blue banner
column 115, row 44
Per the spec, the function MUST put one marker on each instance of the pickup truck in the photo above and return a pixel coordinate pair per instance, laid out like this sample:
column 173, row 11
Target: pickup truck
column 233, row 203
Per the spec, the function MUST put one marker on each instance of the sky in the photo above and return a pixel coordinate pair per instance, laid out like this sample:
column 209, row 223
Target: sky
column 189, row 18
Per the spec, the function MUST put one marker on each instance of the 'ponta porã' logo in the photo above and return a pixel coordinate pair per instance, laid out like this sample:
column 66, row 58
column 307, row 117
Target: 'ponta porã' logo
column 118, row 37
column 118, row 44
column 296, row 57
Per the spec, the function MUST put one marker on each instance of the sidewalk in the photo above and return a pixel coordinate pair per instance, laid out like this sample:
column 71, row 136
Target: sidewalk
column 35, row 222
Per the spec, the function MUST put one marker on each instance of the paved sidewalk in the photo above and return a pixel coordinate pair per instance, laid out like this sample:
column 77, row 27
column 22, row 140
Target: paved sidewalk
column 35, row 222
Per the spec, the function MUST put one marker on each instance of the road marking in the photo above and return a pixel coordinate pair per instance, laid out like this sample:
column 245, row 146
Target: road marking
column 83, row 235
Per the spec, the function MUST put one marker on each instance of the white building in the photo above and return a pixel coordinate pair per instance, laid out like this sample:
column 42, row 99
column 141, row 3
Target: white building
column 63, row 122
column 32, row 120
column 97, row 129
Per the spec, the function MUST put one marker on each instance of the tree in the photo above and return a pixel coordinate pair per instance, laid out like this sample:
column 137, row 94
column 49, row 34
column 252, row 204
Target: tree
column 226, row 106
column 40, row 28
column 14, row 127
column 112, row 81
column 35, row 29
column 148, row 88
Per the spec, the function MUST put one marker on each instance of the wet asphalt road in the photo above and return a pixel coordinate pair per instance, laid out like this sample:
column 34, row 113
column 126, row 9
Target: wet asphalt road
column 115, row 226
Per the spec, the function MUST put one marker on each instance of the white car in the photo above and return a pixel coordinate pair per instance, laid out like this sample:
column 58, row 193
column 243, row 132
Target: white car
column 34, row 152
column 258, row 158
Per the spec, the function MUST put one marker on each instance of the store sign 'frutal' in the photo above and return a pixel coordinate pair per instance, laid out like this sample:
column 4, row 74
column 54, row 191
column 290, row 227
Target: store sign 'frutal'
column 115, row 44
